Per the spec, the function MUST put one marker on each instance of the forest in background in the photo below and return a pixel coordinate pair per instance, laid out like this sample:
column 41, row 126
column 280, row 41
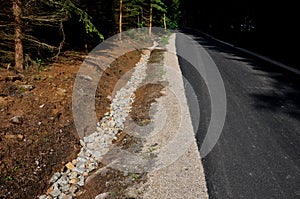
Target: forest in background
column 44, row 28
column 36, row 31
column 266, row 27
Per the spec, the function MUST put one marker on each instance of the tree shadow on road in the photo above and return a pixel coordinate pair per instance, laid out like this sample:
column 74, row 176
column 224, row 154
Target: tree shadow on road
column 283, row 94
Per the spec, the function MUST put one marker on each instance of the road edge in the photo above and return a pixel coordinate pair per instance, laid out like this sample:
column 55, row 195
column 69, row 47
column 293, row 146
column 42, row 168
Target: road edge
column 262, row 57
column 185, row 177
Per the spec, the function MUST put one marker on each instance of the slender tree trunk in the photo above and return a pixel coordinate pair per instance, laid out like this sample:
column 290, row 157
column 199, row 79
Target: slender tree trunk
column 120, row 19
column 86, row 36
column 86, row 45
column 63, row 39
column 150, row 18
column 19, row 54
column 142, row 17
column 165, row 24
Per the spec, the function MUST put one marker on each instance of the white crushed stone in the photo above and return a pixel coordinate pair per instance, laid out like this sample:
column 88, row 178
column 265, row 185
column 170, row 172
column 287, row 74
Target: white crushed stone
column 66, row 184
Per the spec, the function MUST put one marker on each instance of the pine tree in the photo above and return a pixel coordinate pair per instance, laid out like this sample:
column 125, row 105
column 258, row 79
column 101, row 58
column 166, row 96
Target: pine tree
column 120, row 18
column 19, row 55
column 130, row 14
column 24, row 26
column 159, row 6
column 173, row 14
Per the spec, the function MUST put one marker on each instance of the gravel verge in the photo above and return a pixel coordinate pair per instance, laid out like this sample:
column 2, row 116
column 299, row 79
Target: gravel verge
column 180, row 174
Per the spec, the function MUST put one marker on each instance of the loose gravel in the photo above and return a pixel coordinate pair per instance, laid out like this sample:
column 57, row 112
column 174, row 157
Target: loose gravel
column 66, row 184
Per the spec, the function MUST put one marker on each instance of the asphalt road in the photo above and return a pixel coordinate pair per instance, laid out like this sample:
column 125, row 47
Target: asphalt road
column 258, row 152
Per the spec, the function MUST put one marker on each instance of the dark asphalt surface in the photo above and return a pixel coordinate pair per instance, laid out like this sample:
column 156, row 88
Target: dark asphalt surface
column 258, row 152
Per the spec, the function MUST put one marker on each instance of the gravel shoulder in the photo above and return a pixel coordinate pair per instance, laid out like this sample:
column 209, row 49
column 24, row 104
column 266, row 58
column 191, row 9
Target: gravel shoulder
column 180, row 173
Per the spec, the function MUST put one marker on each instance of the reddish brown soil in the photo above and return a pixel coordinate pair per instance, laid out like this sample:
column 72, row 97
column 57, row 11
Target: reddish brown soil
column 45, row 139
column 145, row 96
column 30, row 152
column 119, row 68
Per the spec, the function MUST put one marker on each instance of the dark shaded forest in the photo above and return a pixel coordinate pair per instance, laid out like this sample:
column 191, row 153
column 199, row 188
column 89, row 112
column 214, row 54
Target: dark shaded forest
column 34, row 31
column 266, row 27
column 45, row 28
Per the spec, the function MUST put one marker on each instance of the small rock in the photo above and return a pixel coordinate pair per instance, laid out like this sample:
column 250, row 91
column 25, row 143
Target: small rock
column 97, row 155
column 80, row 165
column 65, row 188
column 64, row 196
column 68, row 172
column 45, row 197
column 79, row 170
column 70, row 166
column 55, row 177
column 79, row 193
column 81, row 181
column 49, row 190
column 56, row 192
column 92, row 166
column 74, row 181
column 102, row 196
column 26, row 87
column 16, row 120
column 61, row 91
column 73, row 175
column 82, row 143
column 81, row 159
column 18, row 136
column 73, row 189
column 63, row 180
column 74, row 162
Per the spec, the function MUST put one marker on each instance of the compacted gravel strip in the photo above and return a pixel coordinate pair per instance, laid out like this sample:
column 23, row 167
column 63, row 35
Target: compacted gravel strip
column 66, row 184
column 183, row 177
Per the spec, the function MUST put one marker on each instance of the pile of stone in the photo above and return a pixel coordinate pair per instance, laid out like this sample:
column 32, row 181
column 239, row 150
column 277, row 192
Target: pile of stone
column 66, row 184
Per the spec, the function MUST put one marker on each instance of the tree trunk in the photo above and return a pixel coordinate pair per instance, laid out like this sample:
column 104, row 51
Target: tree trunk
column 19, row 56
column 120, row 19
column 165, row 24
column 142, row 17
column 150, row 18
column 86, row 45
